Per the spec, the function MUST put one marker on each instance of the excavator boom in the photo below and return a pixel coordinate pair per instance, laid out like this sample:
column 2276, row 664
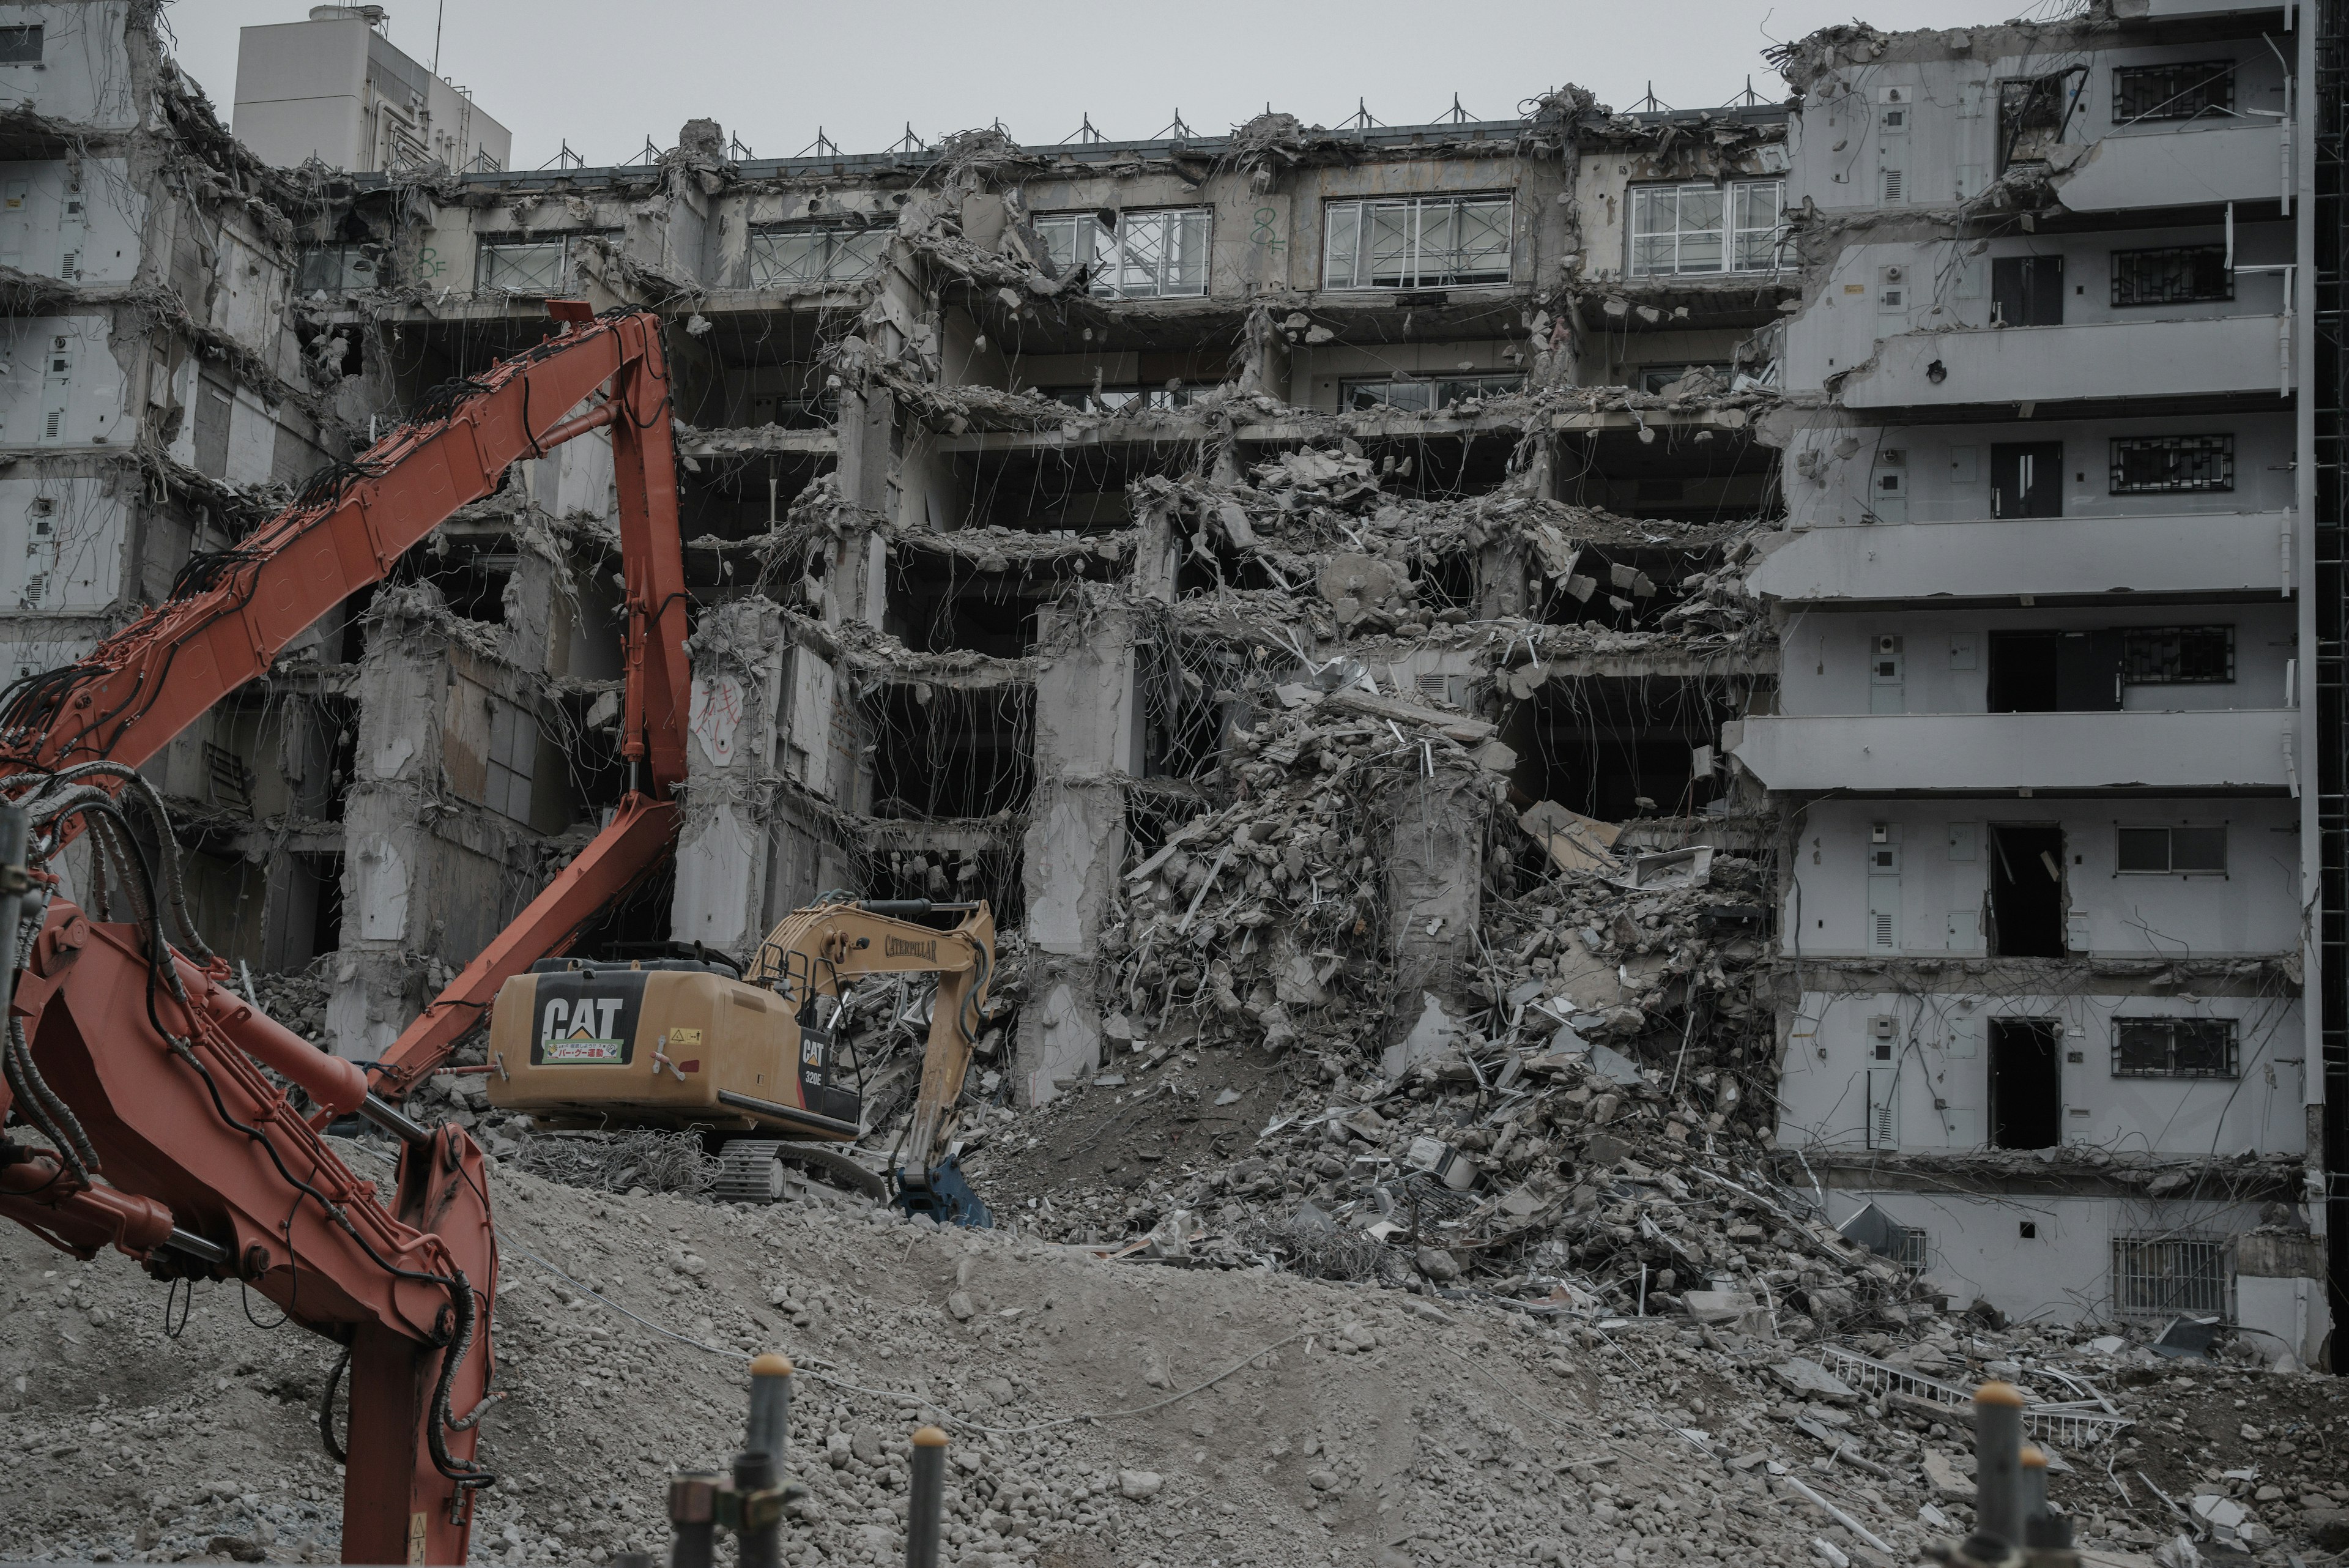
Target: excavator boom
column 231, row 612
column 143, row 1071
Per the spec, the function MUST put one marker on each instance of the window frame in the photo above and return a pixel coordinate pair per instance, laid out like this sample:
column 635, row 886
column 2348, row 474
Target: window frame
column 2220, row 71
column 874, row 235
column 1736, row 238
column 345, row 251
column 2220, row 447
column 23, row 36
column 2227, row 275
column 2170, row 865
column 2198, row 1263
column 1354, row 213
column 489, row 246
column 1110, row 256
column 2228, row 1043
column 1350, row 387
column 2140, row 634
column 1108, row 399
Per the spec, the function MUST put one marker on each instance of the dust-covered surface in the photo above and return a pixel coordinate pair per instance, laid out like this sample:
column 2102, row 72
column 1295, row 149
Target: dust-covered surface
column 1350, row 1424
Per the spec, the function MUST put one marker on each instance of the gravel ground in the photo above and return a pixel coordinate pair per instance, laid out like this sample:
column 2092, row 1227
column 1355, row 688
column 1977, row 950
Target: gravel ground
column 1101, row 1412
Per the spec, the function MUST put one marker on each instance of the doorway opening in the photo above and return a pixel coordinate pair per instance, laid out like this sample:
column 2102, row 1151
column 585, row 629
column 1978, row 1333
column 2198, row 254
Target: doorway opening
column 2026, row 890
column 2026, row 1083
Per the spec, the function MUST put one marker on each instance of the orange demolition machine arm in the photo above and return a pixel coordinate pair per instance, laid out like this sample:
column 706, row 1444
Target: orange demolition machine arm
column 230, row 613
column 143, row 1073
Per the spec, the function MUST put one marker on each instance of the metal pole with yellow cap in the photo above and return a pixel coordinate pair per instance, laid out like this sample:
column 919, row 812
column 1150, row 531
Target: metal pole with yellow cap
column 2031, row 1495
column 770, row 1407
column 1998, row 1455
column 928, row 1497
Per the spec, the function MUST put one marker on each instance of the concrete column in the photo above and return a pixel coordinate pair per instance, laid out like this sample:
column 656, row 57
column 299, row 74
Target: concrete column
column 380, row 982
column 740, row 657
column 1435, row 829
column 1088, row 737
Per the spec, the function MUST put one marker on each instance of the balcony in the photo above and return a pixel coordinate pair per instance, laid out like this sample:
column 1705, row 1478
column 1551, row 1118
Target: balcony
column 2195, row 163
column 2239, row 750
column 2218, row 356
column 2048, row 556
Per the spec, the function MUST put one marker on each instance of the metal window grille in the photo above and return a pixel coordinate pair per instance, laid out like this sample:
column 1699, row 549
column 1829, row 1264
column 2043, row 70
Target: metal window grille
column 1421, row 243
column 2175, row 1048
column 1389, row 393
column 232, row 781
column 2181, row 89
column 836, row 254
column 1160, row 254
column 1909, row 1246
column 2173, row 464
column 2178, row 655
column 2160, row 1276
column 20, row 46
column 2173, row 275
column 540, row 265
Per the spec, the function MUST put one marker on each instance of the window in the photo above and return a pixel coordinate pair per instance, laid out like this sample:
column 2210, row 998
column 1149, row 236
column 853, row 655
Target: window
column 541, row 264
column 1109, row 400
column 2179, row 90
column 2175, row 275
column 2178, row 655
column 1697, row 229
column 1423, row 243
column 2162, row 1276
column 20, row 46
column 1153, row 255
column 513, row 759
column 2173, row 465
column 1422, row 396
column 1656, row 377
column 338, row 269
column 781, row 257
column 2174, row 1048
column 2171, row 851
column 2033, row 113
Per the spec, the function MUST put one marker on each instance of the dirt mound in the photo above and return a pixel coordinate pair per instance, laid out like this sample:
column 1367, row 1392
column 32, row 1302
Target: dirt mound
column 1127, row 1412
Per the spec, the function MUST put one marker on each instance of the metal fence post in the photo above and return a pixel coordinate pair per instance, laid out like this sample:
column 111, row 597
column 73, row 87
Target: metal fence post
column 1998, row 1453
column 759, row 1526
column 693, row 1519
column 928, row 1497
column 770, row 1407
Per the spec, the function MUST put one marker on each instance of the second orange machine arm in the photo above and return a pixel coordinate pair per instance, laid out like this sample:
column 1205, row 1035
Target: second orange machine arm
column 230, row 614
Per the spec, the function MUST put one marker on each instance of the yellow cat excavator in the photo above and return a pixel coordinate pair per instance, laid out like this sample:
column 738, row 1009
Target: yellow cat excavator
column 755, row 1059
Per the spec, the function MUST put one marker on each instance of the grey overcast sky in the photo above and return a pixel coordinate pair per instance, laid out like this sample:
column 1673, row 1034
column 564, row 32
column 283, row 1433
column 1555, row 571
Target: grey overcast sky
column 606, row 74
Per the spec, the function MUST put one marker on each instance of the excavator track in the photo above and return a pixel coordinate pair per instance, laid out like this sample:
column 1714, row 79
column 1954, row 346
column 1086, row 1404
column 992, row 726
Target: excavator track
column 751, row 1170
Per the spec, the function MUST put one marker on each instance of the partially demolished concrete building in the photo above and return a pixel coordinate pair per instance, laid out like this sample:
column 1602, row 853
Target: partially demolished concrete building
column 2052, row 786
column 1328, row 588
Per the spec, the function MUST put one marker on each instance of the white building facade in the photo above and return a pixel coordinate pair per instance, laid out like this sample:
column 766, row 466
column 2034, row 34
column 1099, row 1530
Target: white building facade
column 2042, row 742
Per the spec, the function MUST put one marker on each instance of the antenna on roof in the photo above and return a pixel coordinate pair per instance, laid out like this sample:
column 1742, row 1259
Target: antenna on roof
column 822, row 146
column 439, row 15
column 1360, row 119
column 1749, row 99
column 1651, row 104
column 651, row 154
column 736, row 153
column 1455, row 114
column 1088, row 132
column 1178, row 132
column 909, row 142
column 565, row 158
